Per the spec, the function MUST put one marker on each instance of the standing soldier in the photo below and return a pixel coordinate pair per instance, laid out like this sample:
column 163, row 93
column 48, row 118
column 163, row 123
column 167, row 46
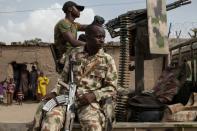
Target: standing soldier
column 65, row 32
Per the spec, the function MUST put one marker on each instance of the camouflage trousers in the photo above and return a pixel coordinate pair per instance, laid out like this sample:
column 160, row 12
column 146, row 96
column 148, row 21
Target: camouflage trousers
column 91, row 118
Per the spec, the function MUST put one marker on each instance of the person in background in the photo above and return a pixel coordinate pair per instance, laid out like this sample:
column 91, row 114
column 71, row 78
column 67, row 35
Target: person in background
column 43, row 81
column 16, row 76
column 19, row 97
column 33, row 81
column 10, row 91
column 2, row 90
column 24, row 81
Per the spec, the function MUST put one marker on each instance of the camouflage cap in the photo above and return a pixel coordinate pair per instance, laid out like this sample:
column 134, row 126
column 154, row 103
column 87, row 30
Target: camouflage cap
column 70, row 4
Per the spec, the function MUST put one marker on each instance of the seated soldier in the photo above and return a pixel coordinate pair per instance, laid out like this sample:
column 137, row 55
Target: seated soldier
column 96, row 78
column 170, row 82
column 162, row 93
column 181, row 110
column 166, row 86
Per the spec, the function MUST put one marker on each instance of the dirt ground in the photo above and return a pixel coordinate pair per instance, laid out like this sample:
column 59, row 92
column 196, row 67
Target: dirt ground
column 17, row 113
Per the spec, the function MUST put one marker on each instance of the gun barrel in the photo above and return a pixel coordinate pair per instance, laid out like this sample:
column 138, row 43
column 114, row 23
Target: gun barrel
column 187, row 2
column 137, row 16
column 177, row 4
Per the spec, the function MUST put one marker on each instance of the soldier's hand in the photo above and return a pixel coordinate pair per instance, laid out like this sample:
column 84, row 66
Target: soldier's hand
column 49, row 96
column 87, row 98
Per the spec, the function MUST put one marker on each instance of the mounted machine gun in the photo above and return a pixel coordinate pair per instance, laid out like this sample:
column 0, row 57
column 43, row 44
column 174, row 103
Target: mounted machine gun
column 133, row 32
column 140, row 40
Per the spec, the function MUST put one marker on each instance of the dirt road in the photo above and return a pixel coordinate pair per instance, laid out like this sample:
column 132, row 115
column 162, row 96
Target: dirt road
column 17, row 113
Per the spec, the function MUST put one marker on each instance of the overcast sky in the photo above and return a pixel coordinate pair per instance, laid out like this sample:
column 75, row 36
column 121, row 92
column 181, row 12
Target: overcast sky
column 40, row 16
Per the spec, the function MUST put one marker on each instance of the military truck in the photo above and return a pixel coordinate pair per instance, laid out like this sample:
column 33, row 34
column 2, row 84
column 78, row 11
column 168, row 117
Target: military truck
column 143, row 36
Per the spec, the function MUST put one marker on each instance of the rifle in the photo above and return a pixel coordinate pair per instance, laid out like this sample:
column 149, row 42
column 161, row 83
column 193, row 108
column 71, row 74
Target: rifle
column 52, row 47
column 70, row 112
column 65, row 100
column 108, row 115
column 59, row 66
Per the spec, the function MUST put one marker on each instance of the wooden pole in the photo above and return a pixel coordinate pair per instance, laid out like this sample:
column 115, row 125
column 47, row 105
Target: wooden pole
column 139, row 67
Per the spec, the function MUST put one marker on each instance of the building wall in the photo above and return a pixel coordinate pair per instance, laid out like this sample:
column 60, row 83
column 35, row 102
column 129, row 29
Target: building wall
column 152, row 68
column 28, row 54
column 43, row 56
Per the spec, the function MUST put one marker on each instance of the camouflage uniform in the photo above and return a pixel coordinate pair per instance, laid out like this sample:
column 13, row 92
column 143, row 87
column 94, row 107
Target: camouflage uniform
column 95, row 74
column 61, row 45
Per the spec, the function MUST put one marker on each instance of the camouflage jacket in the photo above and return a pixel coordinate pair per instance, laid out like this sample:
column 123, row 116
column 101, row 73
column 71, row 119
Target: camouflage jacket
column 95, row 74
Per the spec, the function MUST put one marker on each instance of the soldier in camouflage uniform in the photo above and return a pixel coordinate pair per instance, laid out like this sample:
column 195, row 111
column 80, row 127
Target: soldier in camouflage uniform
column 65, row 31
column 166, row 87
column 96, row 78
